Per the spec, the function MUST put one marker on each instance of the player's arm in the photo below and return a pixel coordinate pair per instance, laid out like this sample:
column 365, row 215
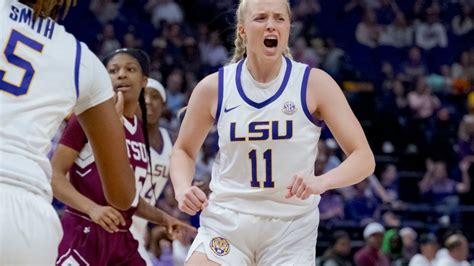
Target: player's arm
column 96, row 113
column 107, row 217
column 174, row 226
column 107, row 138
column 194, row 129
column 327, row 102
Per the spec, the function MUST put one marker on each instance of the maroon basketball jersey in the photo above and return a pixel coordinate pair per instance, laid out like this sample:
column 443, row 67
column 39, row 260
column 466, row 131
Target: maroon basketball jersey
column 84, row 175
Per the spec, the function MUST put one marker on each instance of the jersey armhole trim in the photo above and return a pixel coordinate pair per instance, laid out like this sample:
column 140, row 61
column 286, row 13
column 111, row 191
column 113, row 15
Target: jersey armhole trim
column 220, row 94
column 304, row 87
column 76, row 67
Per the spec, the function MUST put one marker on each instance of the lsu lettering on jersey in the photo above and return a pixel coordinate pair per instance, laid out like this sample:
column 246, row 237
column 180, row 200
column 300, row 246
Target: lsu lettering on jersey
column 266, row 135
column 155, row 182
column 45, row 73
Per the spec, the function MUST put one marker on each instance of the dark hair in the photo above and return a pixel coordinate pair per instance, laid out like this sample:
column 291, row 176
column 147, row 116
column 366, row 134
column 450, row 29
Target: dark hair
column 140, row 55
column 50, row 8
column 428, row 239
column 144, row 62
column 339, row 235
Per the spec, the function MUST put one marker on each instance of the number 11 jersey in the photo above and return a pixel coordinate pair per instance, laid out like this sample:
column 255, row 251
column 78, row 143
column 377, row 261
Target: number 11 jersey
column 266, row 135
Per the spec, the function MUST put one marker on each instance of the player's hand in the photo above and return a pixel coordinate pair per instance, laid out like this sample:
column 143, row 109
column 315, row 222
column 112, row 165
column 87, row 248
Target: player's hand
column 304, row 186
column 119, row 105
column 191, row 200
column 107, row 217
column 176, row 229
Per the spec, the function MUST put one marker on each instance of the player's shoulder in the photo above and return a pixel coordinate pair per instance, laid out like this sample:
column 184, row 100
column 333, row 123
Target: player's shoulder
column 208, row 85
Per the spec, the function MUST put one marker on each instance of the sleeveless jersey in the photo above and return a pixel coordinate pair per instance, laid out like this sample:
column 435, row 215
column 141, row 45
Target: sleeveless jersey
column 155, row 182
column 263, row 143
column 45, row 73
column 84, row 174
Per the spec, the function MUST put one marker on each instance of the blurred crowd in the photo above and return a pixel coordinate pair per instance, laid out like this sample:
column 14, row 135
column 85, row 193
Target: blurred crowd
column 407, row 69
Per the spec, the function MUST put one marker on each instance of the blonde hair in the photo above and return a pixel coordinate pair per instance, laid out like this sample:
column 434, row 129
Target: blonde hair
column 239, row 43
column 50, row 8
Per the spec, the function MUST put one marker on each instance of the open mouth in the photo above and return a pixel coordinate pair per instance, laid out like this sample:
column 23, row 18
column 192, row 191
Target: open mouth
column 270, row 42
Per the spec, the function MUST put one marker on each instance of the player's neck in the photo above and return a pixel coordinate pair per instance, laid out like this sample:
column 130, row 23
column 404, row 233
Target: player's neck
column 130, row 110
column 263, row 70
column 154, row 135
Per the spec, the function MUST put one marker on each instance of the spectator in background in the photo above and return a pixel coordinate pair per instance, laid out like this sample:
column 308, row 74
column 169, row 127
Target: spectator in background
column 432, row 33
column 441, row 191
column 393, row 247
column 463, row 23
column 414, row 67
column 303, row 54
column 333, row 59
column 458, row 252
column 371, row 254
column 174, row 85
column 367, row 31
column 131, row 41
column 428, row 249
column 338, row 252
column 105, row 10
column 362, row 208
column 390, row 181
column 466, row 132
column 107, row 41
column 191, row 58
column 422, row 101
column 398, row 34
column 410, row 246
column 167, row 10
column 463, row 71
column 213, row 53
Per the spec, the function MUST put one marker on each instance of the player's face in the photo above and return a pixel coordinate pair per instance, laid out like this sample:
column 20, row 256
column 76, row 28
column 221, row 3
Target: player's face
column 127, row 76
column 154, row 105
column 266, row 27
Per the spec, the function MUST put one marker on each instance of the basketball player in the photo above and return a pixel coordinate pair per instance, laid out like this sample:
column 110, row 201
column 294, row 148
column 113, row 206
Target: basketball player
column 161, row 146
column 45, row 73
column 94, row 232
column 268, row 110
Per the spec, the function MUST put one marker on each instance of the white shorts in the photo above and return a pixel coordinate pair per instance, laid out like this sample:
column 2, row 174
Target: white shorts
column 232, row 238
column 30, row 230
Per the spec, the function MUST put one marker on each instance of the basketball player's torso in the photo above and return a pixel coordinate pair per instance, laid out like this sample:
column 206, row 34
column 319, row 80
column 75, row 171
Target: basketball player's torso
column 266, row 135
column 84, row 174
column 151, row 188
column 159, row 176
column 37, row 90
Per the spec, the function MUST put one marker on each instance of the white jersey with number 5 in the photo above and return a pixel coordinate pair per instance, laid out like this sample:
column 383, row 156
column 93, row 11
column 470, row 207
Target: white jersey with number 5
column 266, row 135
column 45, row 73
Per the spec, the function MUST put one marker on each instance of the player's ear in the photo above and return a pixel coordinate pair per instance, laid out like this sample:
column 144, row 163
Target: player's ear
column 241, row 31
column 144, row 81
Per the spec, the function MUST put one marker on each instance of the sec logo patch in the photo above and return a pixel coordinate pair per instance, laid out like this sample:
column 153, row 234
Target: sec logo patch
column 220, row 246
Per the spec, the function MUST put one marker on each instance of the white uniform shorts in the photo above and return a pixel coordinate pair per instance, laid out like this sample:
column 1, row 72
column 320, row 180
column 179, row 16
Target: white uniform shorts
column 30, row 230
column 232, row 238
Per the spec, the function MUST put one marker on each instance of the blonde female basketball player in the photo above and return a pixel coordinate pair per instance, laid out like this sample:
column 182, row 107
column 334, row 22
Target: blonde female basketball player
column 267, row 109
column 45, row 73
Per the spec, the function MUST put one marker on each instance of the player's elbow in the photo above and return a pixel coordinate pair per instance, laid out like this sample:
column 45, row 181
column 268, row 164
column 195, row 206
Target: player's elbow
column 369, row 162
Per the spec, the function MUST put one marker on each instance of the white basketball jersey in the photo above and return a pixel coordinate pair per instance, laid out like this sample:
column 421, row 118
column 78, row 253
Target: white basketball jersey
column 156, row 181
column 45, row 73
column 263, row 142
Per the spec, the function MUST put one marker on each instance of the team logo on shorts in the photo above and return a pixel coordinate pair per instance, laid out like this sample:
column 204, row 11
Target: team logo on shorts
column 289, row 108
column 220, row 246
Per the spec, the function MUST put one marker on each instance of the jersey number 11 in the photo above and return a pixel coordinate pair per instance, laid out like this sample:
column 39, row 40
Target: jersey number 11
column 267, row 156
